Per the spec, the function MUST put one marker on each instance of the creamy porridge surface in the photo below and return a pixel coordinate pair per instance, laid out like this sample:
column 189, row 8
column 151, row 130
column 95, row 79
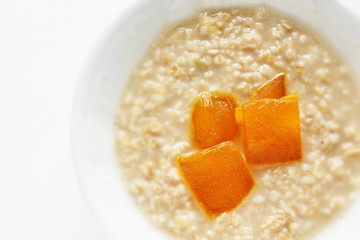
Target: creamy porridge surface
column 236, row 51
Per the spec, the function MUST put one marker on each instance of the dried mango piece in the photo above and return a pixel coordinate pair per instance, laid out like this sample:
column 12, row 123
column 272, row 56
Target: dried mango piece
column 213, row 119
column 218, row 177
column 271, row 129
column 273, row 88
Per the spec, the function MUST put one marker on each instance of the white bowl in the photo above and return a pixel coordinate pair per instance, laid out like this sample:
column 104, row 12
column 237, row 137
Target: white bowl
column 93, row 132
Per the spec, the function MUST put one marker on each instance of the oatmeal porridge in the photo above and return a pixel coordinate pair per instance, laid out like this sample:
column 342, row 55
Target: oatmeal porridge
column 237, row 51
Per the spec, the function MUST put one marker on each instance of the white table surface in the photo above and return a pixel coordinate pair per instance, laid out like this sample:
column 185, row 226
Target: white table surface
column 44, row 44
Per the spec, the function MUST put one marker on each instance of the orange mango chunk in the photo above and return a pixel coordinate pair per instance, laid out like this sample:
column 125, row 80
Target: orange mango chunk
column 273, row 88
column 213, row 119
column 271, row 129
column 218, row 177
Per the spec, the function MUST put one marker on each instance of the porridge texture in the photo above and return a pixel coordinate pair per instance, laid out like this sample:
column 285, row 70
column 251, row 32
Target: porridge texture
column 236, row 51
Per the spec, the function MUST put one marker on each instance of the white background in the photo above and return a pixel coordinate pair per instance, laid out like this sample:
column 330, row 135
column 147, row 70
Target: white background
column 44, row 45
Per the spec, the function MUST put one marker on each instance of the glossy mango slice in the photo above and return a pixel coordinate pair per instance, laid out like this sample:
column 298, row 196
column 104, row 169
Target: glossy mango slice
column 271, row 129
column 213, row 119
column 218, row 177
column 273, row 88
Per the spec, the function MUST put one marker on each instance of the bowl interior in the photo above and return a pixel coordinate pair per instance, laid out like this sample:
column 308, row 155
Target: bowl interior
column 93, row 132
